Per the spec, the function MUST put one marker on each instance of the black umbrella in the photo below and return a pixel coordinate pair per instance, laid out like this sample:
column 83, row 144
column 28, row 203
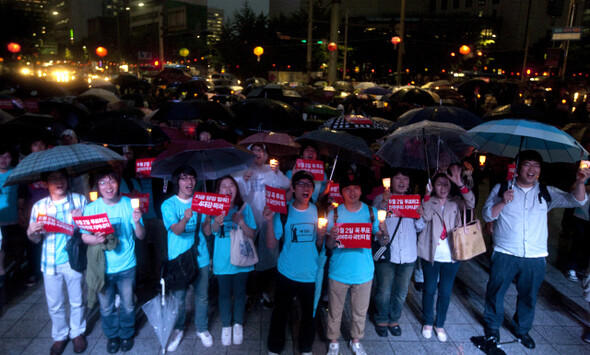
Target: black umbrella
column 267, row 115
column 118, row 132
column 413, row 95
column 517, row 111
column 27, row 131
column 174, row 113
column 458, row 116
column 274, row 92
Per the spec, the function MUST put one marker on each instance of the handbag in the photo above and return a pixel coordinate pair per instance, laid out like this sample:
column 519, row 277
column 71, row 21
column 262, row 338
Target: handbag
column 242, row 249
column 180, row 272
column 467, row 239
column 382, row 253
column 76, row 250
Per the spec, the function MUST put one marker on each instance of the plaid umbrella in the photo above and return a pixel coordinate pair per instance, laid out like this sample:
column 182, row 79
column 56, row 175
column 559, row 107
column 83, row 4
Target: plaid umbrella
column 211, row 160
column 357, row 125
column 279, row 144
column 76, row 159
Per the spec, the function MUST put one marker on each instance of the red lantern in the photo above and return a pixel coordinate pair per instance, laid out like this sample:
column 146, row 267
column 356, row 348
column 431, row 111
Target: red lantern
column 464, row 49
column 101, row 51
column 13, row 47
column 332, row 46
column 395, row 40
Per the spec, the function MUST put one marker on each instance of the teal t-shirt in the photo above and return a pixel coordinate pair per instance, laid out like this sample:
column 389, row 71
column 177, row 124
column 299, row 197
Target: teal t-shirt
column 352, row 266
column 172, row 212
column 221, row 251
column 319, row 186
column 121, row 217
column 298, row 260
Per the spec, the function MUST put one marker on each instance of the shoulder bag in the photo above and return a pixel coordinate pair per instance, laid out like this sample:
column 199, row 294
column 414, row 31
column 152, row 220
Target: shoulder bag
column 382, row 253
column 180, row 272
column 467, row 239
column 242, row 250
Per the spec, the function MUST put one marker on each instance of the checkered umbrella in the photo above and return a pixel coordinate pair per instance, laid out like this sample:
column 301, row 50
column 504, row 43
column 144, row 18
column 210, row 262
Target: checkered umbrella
column 76, row 159
column 358, row 125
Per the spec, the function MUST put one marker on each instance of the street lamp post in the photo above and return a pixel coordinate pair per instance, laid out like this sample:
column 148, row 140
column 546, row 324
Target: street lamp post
column 400, row 53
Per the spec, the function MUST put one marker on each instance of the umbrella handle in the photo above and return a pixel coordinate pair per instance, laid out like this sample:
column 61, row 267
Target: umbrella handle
column 163, row 283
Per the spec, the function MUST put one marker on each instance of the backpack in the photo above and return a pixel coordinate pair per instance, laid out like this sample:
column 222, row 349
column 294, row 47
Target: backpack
column 543, row 191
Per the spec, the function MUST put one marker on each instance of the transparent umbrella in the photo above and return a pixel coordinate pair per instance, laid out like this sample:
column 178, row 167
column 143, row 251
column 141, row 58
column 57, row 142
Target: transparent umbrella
column 162, row 312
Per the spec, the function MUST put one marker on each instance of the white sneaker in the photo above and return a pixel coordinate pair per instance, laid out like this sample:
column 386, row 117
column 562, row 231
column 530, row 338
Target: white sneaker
column 206, row 338
column 238, row 334
column 357, row 348
column 305, row 353
column 271, row 353
column 427, row 332
column 333, row 349
column 226, row 336
column 571, row 275
column 441, row 334
column 177, row 335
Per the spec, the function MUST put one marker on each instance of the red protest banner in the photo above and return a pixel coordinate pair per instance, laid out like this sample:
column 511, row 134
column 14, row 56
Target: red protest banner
column 354, row 235
column 144, row 200
column 316, row 167
column 96, row 223
column 276, row 199
column 53, row 225
column 404, row 205
column 210, row 204
column 143, row 167
column 335, row 193
column 511, row 172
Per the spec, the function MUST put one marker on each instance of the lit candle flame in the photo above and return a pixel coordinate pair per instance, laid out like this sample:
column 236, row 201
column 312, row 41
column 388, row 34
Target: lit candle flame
column 93, row 195
column 482, row 160
column 381, row 215
column 322, row 222
column 274, row 162
column 335, row 204
column 42, row 211
column 135, row 203
column 387, row 183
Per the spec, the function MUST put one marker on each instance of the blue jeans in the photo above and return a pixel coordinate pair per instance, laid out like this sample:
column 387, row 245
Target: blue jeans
column 529, row 274
column 120, row 325
column 393, row 281
column 232, row 285
column 447, row 272
column 201, row 287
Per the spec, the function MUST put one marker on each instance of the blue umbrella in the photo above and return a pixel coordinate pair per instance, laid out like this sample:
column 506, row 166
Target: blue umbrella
column 506, row 138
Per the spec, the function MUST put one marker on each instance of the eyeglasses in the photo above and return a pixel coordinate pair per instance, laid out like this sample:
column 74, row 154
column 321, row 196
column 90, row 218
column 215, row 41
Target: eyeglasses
column 185, row 178
column 304, row 184
column 107, row 182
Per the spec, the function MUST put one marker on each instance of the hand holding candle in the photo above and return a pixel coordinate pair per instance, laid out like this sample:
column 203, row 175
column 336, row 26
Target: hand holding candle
column 135, row 203
column 274, row 164
column 387, row 183
column 322, row 222
column 381, row 215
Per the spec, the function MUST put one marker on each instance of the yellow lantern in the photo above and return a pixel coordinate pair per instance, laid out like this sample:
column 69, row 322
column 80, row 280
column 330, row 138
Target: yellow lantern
column 464, row 49
column 258, row 52
column 101, row 51
column 184, row 52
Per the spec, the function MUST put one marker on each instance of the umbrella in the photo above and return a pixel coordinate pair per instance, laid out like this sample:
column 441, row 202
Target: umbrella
column 76, row 159
column 267, row 115
column 507, row 137
column 358, row 125
column 162, row 312
column 172, row 75
column 16, row 131
column 458, row 116
column 376, row 90
column 416, row 145
column 324, row 110
column 517, row 111
column 273, row 91
column 413, row 95
column 173, row 112
column 279, row 144
column 211, row 160
column 101, row 93
column 338, row 143
column 119, row 132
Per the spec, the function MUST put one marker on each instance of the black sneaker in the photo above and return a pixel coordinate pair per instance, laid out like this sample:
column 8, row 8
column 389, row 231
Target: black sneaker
column 526, row 340
column 489, row 345
column 381, row 330
column 419, row 286
column 395, row 330
column 113, row 345
column 126, row 344
column 586, row 337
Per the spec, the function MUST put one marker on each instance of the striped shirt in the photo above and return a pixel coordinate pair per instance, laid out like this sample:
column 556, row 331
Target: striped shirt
column 54, row 244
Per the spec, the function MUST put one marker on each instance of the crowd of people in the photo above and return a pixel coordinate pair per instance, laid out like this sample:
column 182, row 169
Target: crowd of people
column 299, row 257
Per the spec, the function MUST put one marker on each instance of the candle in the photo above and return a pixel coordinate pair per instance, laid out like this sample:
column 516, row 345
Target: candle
column 322, row 222
column 274, row 163
column 93, row 195
column 381, row 215
column 335, row 204
column 42, row 211
column 482, row 160
column 135, row 203
column 387, row 183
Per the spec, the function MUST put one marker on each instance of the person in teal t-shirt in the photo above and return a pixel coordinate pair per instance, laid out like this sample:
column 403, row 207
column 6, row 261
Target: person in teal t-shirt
column 180, row 223
column 120, row 262
column 310, row 152
column 232, row 279
column 350, row 269
column 297, row 264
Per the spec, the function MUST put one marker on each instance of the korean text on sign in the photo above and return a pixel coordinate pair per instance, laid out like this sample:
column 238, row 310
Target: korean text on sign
column 144, row 200
column 210, row 204
column 143, row 167
column 316, row 167
column 96, row 223
column 53, row 225
column 354, row 235
column 404, row 205
column 335, row 193
column 276, row 199
column 511, row 171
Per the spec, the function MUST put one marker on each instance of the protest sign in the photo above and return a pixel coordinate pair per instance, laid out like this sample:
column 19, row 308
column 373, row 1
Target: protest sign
column 210, row 204
column 354, row 235
column 316, row 167
column 94, row 224
column 143, row 167
column 335, row 193
column 511, row 172
column 404, row 205
column 276, row 199
column 53, row 225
